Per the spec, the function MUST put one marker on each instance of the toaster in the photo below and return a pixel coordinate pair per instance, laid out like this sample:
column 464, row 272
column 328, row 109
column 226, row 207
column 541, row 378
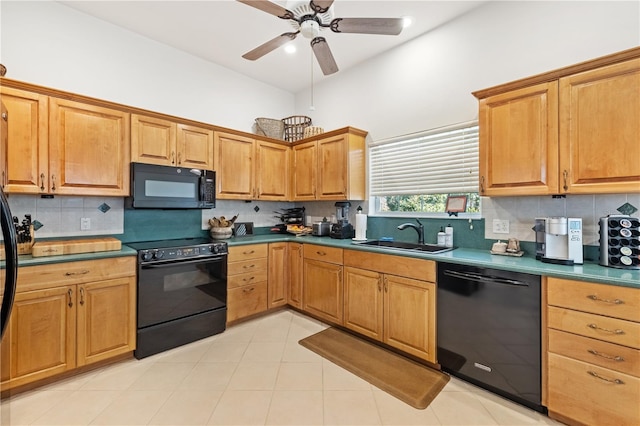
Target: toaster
column 321, row 229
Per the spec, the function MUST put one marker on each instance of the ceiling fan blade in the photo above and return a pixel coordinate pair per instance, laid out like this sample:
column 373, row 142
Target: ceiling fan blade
column 267, row 47
column 269, row 7
column 385, row 26
column 320, row 6
column 324, row 56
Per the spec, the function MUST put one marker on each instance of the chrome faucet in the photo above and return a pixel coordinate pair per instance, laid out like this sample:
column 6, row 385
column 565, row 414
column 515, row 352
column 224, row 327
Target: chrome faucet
column 419, row 229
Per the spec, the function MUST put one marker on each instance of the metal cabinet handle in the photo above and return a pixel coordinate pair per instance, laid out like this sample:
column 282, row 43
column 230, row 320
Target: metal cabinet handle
column 565, row 175
column 597, row 299
column 248, row 252
column 379, row 283
column 249, row 266
column 386, row 285
column 616, row 358
column 70, row 294
column 595, row 327
column 5, row 116
column 321, row 253
column 53, row 182
column 597, row 376
column 179, row 158
column 41, row 181
column 81, row 296
column 83, row 272
column 173, row 157
column 248, row 290
column 248, row 279
column 482, row 184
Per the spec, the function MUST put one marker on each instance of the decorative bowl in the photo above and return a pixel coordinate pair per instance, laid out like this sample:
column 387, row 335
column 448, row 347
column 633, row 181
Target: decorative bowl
column 221, row 233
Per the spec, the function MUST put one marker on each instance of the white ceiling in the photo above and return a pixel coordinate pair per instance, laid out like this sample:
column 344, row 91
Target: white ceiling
column 221, row 31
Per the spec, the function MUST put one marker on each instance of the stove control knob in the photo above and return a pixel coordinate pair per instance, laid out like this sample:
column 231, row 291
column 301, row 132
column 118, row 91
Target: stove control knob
column 159, row 254
column 213, row 249
column 146, row 255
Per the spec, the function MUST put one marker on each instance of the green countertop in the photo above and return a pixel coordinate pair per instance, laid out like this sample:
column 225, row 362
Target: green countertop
column 590, row 271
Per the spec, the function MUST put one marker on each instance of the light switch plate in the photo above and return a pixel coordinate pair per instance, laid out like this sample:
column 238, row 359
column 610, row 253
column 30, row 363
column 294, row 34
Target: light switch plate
column 500, row 226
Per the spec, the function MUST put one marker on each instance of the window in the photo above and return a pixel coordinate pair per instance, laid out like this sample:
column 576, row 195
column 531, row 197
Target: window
column 417, row 172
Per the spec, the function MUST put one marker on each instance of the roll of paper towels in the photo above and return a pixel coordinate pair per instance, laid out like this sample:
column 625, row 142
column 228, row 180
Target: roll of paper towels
column 361, row 226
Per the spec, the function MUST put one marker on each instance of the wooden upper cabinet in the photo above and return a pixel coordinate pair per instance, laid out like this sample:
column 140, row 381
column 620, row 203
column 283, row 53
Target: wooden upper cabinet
column 519, row 142
column 234, row 166
column 569, row 131
column 600, row 130
column 305, row 170
column 26, row 152
column 333, row 168
column 272, row 171
column 159, row 141
column 88, row 149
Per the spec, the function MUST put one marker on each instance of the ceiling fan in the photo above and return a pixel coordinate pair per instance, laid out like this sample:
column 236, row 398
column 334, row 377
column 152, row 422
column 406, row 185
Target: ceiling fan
column 309, row 19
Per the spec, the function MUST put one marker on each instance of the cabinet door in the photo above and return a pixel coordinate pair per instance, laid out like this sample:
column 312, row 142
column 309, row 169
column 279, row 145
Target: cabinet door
column 278, row 277
column 410, row 316
column 296, row 275
column 234, row 166
column 106, row 319
column 26, row 152
column 323, row 290
column 333, row 168
column 195, row 147
column 43, row 326
column 599, row 128
column 272, row 172
column 363, row 302
column 519, row 142
column 88, row 149
column 153, row 140
column 305, row 166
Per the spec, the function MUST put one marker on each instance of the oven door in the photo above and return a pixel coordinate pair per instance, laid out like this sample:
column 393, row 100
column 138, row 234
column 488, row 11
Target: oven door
column 178, row 289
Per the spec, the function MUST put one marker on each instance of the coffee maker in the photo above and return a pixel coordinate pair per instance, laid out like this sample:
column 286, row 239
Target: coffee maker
column 342, row 228
column 559, row 240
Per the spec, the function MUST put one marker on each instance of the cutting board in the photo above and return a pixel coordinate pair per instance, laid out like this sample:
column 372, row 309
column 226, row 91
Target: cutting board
column 85, row 245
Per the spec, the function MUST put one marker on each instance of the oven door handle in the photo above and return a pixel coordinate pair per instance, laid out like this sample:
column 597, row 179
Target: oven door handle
column 484, row 278
column 168, row 263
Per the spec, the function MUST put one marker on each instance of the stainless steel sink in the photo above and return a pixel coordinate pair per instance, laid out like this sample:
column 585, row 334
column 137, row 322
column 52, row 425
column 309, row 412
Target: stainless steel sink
column 399, row 245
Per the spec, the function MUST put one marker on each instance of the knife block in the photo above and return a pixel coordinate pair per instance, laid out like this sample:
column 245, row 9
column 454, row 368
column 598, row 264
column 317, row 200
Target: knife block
column 27, row 248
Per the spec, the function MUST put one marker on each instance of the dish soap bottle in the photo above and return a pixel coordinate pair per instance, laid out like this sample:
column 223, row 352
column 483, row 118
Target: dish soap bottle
column 448, row 236
column 441, row 237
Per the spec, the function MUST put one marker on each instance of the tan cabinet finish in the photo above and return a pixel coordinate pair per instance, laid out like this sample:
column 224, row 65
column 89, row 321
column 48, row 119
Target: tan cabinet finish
column 322, row 285
column 159, row 141
column 56, row 327
column 397, row 310
column 330, row 168
column 250, row 169
column 296, row 274
column 593, row 352
column 247, row 281
column 278, row 282
column 569, row 131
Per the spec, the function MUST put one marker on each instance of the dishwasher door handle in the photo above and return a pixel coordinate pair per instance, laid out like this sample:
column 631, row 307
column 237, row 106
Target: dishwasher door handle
column 485, row 278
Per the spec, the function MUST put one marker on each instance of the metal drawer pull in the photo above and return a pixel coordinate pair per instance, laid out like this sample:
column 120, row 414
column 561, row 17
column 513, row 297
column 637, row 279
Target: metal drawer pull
column 612, row 358
column 248, row 252
column 595, row 327
column 81, row 296
column 249, row 266
column 248, row 279
column 321, row 253
column 83, row 272
column 70, row 294
column 614, row 381
column 248, row 290
column 597, row 299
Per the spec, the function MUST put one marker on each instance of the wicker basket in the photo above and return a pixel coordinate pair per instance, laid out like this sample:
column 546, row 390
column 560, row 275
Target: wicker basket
column 312, row 131
column 270, row 127
column 294, row 127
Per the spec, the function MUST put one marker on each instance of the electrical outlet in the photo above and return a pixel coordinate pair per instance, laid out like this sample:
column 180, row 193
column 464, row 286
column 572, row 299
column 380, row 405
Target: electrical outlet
column 85, row 224
column 500, row 226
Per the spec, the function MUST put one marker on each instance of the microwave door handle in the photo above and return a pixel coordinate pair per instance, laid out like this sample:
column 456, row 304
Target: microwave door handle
column 203, row 181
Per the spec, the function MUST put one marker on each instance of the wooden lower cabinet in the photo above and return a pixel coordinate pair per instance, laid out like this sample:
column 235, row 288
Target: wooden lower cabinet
column 247, row 274
column 395, row 310
column 57, row 328
column 278, row 281
column 322, row 287
column 296, row 275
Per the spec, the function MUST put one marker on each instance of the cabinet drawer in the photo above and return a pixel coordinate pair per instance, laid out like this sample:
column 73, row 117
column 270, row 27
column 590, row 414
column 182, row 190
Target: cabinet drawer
column 603, row 354
column 58, row 274
column 251, row 265
column 419, row 269
column 603, row 299
column 612, row 330
column 246, row 300
column 253, row 251
column 240, row 280
column 590, row 394
column 323, row 253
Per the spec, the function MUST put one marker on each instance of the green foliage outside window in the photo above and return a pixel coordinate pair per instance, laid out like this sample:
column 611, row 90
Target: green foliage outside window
column 430, row 203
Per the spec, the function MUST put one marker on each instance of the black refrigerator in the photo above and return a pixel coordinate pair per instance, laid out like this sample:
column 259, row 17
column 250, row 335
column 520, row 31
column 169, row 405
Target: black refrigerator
column 8, row 266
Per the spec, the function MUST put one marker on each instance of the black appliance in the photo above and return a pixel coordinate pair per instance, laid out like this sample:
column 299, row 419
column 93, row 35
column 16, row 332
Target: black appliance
column 182, row 293
column 620, row 242
column 167, row 187
column 489, row 330
column 342, row 228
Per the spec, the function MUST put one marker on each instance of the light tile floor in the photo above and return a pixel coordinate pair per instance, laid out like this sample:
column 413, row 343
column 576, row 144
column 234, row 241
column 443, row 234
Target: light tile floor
column 254, row 373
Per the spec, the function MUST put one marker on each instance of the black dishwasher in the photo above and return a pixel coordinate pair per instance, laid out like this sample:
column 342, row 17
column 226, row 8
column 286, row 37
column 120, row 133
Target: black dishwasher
column 489, row 330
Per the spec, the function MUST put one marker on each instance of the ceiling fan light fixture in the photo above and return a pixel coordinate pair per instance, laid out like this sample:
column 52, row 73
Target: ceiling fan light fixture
column 309, row 28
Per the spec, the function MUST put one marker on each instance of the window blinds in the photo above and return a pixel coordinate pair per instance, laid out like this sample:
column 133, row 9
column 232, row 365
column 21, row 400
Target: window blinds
column 438, row 161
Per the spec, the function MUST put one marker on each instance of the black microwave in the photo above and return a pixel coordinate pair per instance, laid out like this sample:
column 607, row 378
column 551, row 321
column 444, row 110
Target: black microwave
column 167, row 187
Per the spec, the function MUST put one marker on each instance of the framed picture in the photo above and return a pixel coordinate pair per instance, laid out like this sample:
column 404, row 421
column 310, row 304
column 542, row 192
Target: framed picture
column 456, row 204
